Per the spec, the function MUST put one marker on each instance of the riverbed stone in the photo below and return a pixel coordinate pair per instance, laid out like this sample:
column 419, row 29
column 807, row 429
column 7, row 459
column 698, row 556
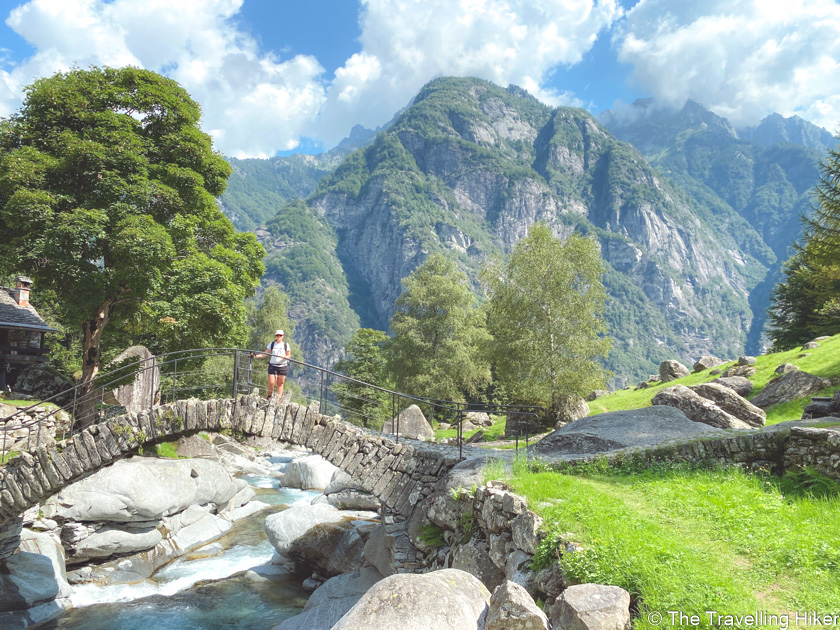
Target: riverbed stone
column 26, row 580
column 312, row 472
column 447, row 598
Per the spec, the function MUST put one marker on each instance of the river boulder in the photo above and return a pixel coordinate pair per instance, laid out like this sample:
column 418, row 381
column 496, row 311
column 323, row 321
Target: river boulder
column 312, row 472
column 142, row 489
column 448, row 598
column 331, row 601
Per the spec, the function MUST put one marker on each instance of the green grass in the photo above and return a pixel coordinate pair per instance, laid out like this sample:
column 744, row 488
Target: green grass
column 494, row 433
column 8, row 456
column 695, row 540
column 823, row 361
column 168, row 450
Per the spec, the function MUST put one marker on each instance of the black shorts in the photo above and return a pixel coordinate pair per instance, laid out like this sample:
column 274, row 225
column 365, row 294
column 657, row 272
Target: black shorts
column 278, row 370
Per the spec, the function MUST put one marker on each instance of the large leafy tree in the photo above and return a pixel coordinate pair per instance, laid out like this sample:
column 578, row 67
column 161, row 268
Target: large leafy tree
column 807, row 303
column 107, row 199
column 544, row 312
column 364, row 361
column 439, row 334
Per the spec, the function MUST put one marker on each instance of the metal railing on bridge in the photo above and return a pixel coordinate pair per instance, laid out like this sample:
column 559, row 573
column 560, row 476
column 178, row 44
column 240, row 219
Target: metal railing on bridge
column 229, row 372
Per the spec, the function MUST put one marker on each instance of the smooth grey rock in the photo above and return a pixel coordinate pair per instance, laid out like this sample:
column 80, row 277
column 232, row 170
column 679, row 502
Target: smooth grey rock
column 309, row 473
column 810, row 345
column 332, row 600
column 598, row 393
column 790, row 386
column 26, row 580
column 36, row 616
column 329, row 549
column 728, row 400
column 784, row 368
column 739, row 370
column 354, row 500
column 431, row 601
column 672, row 370
column 474, row 557
column 739, row 384
column 412, row 424
column 615, row 430
column 512, row 608
column 592, row 607
column 111, row 540
column 142, row 489
column 746, row 360
column 705, row 362
column 340, row 481
column 48, row 545
column 697, row 408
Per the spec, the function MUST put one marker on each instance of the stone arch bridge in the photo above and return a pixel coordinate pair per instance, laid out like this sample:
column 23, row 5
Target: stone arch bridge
column 400, row 475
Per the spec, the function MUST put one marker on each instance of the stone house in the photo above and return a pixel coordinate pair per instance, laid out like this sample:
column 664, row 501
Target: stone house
column 22, row 332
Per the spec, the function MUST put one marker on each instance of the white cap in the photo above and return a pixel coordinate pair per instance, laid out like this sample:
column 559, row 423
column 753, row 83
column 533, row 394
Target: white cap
column 278, row 332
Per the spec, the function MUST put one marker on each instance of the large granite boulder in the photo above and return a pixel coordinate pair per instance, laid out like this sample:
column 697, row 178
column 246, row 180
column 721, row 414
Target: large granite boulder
column 283, row 528
column 342, row 492
column 49, row 546
column 143, row 384
column 569, row 409
column 592, row 607
column 739, row 384
column 26, row 580
column 312, row 472
column 706, row 362
column 672, row 370
column 332, row 600
column 411, row 423
column 512, row 608
column 142, row 489
column 478, row 418
column 330, row 549
column 697, row 408
column 788, row 387
column 728, row 400
column 448, row 598
column 615, row 430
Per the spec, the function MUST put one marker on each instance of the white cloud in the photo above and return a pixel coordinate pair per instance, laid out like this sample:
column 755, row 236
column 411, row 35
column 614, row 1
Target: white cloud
column 253, row 103
column 743, row 59
column 409, row 42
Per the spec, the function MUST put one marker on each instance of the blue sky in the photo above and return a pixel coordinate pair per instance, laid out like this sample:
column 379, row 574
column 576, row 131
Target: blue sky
column 290, row 75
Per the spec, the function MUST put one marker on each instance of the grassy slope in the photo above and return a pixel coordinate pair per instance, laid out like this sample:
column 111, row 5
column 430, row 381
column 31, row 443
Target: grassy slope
column 694, row 541
column 823, row 361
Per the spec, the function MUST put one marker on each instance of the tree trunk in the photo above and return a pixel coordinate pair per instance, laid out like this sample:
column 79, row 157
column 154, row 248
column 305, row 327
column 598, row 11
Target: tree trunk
column 89, row 396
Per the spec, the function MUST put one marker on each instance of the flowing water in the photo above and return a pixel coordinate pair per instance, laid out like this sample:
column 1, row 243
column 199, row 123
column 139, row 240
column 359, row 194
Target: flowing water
column 196, row 591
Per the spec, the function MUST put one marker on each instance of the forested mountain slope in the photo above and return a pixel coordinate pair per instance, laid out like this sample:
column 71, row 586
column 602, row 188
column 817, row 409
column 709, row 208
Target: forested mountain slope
column 766, row 175
column 469, row 166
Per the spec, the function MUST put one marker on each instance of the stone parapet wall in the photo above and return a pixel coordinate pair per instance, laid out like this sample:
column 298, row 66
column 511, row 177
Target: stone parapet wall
column 816, row 448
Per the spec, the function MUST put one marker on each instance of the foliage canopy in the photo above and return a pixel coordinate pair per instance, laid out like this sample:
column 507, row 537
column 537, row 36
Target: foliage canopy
column 544, row 314
column 107, row 199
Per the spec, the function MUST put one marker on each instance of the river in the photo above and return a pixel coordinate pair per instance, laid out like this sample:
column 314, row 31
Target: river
column 196, row 591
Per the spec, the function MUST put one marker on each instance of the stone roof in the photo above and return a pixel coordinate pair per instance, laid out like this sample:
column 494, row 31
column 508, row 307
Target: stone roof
column 13, row 315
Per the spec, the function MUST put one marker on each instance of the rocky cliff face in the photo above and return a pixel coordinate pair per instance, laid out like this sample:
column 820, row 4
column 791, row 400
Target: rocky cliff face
column 468, row 167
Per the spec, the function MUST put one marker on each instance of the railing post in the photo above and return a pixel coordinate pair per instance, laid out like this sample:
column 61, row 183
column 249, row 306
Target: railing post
column 235, row 386
column 73, row 415
column 460, row 433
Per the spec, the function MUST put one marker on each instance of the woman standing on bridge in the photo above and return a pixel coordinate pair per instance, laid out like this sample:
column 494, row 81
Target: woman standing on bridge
column 278, row 364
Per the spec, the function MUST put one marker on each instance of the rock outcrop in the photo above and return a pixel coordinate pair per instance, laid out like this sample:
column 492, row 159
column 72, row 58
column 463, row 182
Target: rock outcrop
column 790, row 386
column 411, row 423
column 697, row 408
